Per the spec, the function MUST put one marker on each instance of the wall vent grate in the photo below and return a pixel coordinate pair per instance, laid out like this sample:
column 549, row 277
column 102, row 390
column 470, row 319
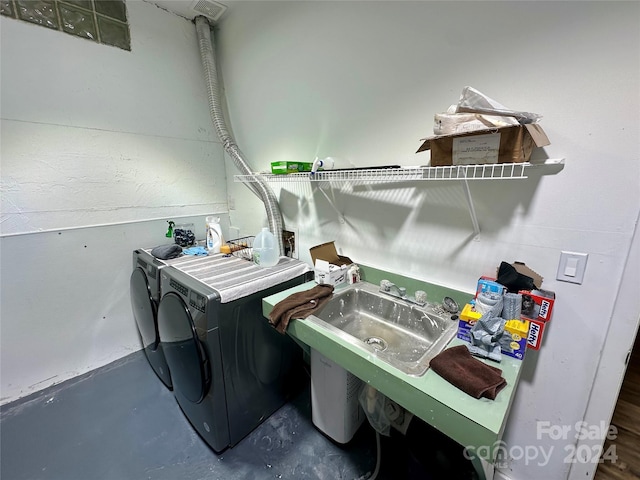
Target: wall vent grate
column 210, row 9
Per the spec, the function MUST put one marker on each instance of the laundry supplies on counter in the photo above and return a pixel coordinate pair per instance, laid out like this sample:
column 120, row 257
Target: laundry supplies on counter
column 486, row 335
column 265, row 249
column 214, row 240
column 329, row 267
column 537, row 307
column 523, row 313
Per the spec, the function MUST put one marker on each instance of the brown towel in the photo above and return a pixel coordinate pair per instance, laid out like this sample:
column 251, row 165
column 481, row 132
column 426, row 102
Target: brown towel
column 458, row 367
column 299, row 305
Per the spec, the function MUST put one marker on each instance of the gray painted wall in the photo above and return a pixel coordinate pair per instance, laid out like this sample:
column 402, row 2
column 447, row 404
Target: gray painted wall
column 100, row 147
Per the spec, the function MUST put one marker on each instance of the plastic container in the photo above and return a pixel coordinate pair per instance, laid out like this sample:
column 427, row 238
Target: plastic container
column 265, row 249
column 323, row 164
column 183, row 234
column 353, row 274
column 214, row 235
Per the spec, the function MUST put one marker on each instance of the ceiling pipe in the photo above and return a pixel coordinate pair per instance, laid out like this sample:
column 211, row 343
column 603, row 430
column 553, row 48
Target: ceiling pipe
column 259, row 187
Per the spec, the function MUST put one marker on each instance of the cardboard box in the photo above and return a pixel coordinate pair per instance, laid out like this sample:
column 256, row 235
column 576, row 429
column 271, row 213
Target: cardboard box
column 537, row 305
column 466, row 320
column 536, row 332
column 512, row 144
column 329, row 267
column 469, row 314
column 519, row 331
column 279, row 168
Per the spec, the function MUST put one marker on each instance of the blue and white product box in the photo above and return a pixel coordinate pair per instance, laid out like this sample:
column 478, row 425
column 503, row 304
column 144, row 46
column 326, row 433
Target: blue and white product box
column 486, row 284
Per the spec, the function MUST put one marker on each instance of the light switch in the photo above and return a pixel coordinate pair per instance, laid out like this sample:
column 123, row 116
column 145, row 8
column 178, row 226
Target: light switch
column 572, row 266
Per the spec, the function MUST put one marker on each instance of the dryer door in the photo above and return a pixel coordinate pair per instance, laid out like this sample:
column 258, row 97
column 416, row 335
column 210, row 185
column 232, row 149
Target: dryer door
column 144, row 308
column 183, row 349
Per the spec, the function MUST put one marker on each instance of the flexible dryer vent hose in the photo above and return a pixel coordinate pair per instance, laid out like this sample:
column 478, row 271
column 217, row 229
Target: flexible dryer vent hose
column 259, row 187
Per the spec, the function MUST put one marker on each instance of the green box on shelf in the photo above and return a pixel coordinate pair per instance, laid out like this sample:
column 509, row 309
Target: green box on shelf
column 282, row 167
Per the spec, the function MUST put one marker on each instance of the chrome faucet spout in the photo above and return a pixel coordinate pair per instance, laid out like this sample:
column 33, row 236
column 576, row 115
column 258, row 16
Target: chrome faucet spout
column 393, row 290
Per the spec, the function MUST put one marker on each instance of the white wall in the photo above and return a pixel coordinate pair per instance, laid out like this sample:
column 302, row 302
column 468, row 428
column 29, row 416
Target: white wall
column 362, row 80
column 100, row 147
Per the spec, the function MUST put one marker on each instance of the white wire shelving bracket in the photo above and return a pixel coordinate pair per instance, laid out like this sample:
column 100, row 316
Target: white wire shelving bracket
column 462, row 173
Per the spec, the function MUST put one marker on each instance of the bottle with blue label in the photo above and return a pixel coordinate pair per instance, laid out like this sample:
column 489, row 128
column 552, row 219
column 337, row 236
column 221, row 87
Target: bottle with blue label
column 214, row 235
column 265, row 249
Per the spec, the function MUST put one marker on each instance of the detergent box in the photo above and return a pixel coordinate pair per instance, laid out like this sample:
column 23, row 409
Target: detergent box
column 282, row 167
column 329, row 267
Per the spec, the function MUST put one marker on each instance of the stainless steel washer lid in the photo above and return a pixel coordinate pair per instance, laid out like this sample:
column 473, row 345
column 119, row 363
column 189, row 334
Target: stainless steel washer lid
column 235, row 278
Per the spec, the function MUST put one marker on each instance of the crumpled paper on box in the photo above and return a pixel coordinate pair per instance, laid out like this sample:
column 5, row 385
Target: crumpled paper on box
column 476, row 111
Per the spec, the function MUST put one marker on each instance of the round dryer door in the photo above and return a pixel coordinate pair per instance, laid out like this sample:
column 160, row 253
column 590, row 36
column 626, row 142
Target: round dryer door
column 183, row 350
column 144, row 308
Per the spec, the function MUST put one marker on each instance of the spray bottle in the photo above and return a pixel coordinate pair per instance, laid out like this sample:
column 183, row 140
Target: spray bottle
column 214, row 235
column 323, row 163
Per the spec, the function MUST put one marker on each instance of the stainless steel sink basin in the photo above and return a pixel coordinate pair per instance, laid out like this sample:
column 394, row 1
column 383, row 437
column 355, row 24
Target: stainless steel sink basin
column 404, row 335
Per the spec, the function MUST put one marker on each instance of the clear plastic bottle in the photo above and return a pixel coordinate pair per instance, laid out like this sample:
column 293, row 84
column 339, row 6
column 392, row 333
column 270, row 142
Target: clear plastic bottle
column 214, row 235
column 265, row 249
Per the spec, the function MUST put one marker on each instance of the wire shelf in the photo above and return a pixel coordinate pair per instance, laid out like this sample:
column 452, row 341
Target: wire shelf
column 461, row 173
column 497, row 171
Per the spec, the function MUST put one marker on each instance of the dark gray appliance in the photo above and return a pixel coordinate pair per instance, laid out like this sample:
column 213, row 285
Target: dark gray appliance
column 230, row 369
column 145, row 293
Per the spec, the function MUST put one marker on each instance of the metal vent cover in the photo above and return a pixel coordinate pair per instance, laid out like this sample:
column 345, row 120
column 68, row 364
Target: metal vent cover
column 210, row 9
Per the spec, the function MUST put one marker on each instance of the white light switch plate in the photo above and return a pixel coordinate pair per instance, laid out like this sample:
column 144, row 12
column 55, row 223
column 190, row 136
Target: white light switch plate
column 572, row 266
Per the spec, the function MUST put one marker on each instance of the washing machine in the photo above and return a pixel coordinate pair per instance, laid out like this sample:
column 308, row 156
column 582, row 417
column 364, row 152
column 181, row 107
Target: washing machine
column 230, row 368
column 144, row 288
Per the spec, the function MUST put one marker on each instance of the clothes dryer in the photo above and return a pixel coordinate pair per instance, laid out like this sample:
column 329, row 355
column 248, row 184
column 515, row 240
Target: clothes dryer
column 230, row 368
column 145, row 293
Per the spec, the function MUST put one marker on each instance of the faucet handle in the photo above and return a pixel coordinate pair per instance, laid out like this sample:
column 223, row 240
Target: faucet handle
column 421, row 296
column 385, row 285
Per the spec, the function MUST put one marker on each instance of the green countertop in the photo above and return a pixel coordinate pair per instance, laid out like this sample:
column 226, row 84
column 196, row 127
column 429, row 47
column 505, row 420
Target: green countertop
column 469, row 421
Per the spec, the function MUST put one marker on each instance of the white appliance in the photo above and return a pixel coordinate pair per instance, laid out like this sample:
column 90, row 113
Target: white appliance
column 335, row 409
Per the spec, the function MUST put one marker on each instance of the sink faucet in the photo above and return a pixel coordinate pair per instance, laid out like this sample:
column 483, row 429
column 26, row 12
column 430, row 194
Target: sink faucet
column 392, row 289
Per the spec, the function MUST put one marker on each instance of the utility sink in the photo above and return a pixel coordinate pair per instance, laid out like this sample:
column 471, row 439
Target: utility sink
column 400, row 333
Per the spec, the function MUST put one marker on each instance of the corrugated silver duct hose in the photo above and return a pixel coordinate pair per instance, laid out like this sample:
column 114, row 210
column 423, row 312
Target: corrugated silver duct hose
column 259, row 187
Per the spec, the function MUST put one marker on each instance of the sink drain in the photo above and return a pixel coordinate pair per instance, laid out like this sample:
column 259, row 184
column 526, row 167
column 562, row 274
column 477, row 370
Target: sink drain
column 377, row 343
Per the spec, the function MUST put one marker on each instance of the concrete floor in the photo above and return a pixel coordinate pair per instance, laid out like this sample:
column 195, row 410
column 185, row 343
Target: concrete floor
column 119, row 422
